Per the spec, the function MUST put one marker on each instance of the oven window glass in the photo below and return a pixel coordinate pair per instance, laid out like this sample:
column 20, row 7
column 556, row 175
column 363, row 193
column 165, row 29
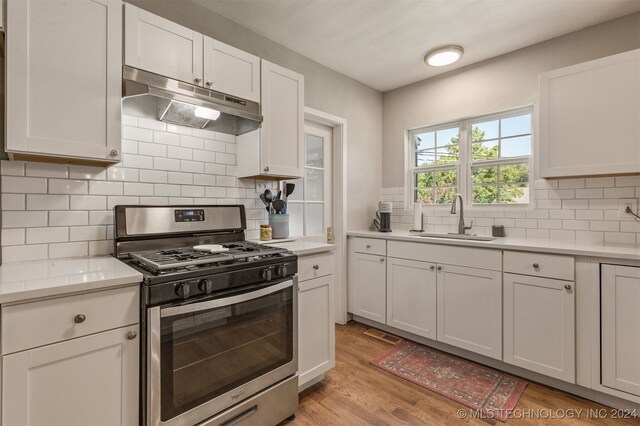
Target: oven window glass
column 207, row 353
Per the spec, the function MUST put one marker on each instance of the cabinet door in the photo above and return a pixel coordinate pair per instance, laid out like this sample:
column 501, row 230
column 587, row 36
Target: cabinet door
column 230, row 70
column 64, row 78
column 367, row 282
column 163, row 47
column 470, row 309
column 411, row 296
column 620, row 327
column 588, row 120
column 91, row 380
column 282, row 132
column 539, row 325
column 316, row 329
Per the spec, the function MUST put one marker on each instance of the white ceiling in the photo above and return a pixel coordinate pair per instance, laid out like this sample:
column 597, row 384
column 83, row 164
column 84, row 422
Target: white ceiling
column 382, row 42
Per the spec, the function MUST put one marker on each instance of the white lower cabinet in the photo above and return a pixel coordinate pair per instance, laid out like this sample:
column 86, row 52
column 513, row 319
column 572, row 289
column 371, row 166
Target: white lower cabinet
column 91, row 380
column 411, row 296
column 368, row 286
column 470, row 309
column 620, row 327
column 539, row 325
column 316, row 324
column 72, row 360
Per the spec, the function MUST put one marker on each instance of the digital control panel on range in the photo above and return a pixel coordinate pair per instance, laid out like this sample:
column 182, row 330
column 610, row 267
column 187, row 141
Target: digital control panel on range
column 189, row 215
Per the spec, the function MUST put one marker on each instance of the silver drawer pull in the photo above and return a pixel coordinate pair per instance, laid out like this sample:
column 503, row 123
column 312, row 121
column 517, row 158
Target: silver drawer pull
column 316, row 267
column 368, row 246
column 567, row 286
column 431, row 268
column 439, row 268
column 132, row 335
column 536, row 266
column 382, row 259
column 79, row 318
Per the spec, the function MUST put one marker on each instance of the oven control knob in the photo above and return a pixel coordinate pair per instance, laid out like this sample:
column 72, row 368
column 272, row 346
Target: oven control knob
column 183, row 290
column 266, row 275
column 281, row 270
column 206, row 286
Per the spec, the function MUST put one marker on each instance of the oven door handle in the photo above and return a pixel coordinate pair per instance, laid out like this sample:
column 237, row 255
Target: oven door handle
column 219, row 303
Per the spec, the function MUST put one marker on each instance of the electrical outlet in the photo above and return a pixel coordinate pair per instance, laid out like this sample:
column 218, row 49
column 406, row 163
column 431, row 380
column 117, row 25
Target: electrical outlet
column 261, row 185
column 624, row 203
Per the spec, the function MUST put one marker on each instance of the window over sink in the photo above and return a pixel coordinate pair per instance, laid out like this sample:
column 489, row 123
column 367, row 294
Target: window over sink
column 486, row 158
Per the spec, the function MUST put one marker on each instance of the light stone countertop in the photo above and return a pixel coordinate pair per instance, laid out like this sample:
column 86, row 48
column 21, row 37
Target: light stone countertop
column 47, row 278
column 302, row 247
column 568, row 247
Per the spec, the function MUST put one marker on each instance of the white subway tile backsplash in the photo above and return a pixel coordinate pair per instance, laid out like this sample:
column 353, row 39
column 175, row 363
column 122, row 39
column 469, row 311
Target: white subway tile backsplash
column 47, row 235
column 204, row 179
column 61, row 250
column 132, row 188
column 169, row 164
column 571, row 183
column 87, row 233
column 12, row 168
column 145, row 123
column 605, row 225
column 105, row 188
column 113, row 201
column 166, row 138
column 180, row 153
column 23, row 219
column 214, row 169
column 67, row 218
column 606, row 182
column 625, row 192
column 47, row 202
column 216, row 146
column 161, row 190
column 23, row 185
column 101, row 217
column 181, row 178
column 224, row 158
column 129, row 147
column 122, row 174
column 192, row 191
column 87, row 202
column 206, row 156
column 87, row 172
column 224, row 137
column 100, row 248
column 589, row 193
column 153, row 176
column 47, row 170
column 137, row 134
column 152, row 149
column 191, row 166
column 135, row 161
column 181, row 130
column 13, row 202
column 23, row 253
column 61, row 186
column 191, row 142
column 13, row 237
column 627, row 181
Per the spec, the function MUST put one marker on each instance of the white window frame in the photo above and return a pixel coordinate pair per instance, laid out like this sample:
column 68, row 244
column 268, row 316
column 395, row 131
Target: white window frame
column 465, row 164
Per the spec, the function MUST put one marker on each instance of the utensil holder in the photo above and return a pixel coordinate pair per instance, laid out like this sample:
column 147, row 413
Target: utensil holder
column 279, row 225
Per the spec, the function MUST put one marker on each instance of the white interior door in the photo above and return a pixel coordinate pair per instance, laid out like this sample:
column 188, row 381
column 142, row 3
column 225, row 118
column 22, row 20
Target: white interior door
column 310, row 206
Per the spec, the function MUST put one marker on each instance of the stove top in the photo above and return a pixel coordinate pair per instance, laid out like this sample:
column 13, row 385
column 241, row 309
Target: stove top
column 187, row 259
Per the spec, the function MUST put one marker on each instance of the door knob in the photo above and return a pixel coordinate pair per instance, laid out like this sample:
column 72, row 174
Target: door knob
column 132, row 335
column 78, row 319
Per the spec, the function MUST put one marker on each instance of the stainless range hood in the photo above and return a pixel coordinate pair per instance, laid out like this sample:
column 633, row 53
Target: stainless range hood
column 193, row 106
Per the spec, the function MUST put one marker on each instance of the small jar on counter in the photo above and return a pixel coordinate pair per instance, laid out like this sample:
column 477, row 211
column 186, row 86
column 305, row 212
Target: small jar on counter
column 265, row 232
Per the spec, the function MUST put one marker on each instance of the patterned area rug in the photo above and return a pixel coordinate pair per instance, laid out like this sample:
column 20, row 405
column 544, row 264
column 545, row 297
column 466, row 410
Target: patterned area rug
column 468, row 383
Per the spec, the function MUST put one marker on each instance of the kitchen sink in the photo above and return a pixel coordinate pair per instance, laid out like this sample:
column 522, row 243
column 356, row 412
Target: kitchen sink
column 452, row 236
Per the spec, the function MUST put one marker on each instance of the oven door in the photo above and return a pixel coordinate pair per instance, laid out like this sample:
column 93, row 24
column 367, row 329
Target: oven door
column 208, row 355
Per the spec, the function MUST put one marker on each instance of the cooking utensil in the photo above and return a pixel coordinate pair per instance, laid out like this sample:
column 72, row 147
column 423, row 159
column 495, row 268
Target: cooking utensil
column 278, row 205
column 268, row 195
column 264, row 200
column 288, row 189
column 278, row 197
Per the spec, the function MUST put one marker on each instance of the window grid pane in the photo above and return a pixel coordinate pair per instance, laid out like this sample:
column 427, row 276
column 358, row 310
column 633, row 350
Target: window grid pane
column 500, row 184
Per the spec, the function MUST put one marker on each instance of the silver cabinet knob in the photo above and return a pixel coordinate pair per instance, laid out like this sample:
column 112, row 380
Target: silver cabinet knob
column 431, row 268
column 197, row 80
column 78, row 319
column 316, row 267
column 536, row 266
column 567, row 286
column 266, row 169
column 382, row 259
column 114, row 153
column 368, row 246
column 439, row 268
column 132, row 335
column 208, row 83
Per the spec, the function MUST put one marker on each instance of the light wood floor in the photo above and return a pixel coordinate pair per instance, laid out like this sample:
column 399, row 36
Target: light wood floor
column 356, row 393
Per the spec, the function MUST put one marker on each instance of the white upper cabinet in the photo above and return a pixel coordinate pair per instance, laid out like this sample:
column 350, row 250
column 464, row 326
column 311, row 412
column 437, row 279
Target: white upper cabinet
column 231, row 71
column 162, row 47
column 277, row 149
column 588, row 118
column 64, row 80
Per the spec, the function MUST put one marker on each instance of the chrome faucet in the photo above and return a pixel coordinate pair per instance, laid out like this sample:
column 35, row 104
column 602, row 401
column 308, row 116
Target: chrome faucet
column 461, row 228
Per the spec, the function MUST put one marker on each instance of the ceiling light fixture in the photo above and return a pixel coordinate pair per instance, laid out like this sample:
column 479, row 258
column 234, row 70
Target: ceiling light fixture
column 444, row 55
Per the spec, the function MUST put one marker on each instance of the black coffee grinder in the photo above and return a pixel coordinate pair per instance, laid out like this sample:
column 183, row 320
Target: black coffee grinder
column 382, row 222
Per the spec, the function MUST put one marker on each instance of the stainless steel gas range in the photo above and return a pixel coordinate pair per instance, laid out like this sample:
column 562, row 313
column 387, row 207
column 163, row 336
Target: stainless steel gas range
column 219, row 317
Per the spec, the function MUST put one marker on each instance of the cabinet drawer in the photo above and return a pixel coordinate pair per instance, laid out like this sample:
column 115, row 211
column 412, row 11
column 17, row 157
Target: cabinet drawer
column 447, row 254
column 370, row 246
column 539, row 265
column 34, row 324
column 315, row 266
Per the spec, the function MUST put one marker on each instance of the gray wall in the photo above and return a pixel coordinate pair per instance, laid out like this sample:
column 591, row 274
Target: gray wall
column 325, row 90
column 504, row 82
